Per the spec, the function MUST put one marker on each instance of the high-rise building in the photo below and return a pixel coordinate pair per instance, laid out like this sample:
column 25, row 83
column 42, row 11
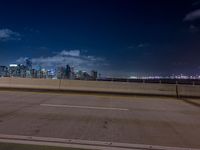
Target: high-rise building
column 86, row 76
column 67, row 72
column 50, row 73
column 94, row 75
column 13, row 70
column 28, row 63
column 60, row 71
column 22, row 71
column 72, row 74
column 33, row 73
column 3, row 71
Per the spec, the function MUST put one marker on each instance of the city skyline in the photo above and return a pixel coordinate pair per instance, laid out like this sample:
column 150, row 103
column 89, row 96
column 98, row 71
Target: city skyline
column 117, row 38
column 26, row 69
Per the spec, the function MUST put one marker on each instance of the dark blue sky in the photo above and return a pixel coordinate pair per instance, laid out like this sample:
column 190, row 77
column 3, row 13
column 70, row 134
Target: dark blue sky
column 127, row 37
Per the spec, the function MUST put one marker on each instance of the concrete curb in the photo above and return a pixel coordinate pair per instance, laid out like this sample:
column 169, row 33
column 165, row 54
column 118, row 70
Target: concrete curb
column 85, row 144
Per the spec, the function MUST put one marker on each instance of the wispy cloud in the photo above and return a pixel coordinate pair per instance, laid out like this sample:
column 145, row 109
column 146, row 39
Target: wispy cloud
column 74, row 53
column 72, row 57
column 143, row 45
column 194, row 15
column 140, row 45
column 7, row 34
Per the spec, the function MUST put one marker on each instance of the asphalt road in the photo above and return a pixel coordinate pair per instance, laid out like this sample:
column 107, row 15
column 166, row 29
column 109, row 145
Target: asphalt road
column 136, row 120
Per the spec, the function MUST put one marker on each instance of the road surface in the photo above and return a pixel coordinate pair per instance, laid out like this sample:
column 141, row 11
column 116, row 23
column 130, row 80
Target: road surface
column 136, row 120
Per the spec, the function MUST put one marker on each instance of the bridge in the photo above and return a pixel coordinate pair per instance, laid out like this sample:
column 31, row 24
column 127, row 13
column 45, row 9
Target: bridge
column 91, row 115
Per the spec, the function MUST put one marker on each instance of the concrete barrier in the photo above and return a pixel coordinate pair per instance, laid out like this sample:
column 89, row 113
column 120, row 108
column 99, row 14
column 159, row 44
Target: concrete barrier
column 125, row 87
column 102, row 86
column 5, row 82
column 189, row 90
column 29, row 83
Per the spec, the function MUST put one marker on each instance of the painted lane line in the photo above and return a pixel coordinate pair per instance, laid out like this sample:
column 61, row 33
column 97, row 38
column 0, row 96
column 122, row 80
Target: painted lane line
column 83, row 144
column 84, row 107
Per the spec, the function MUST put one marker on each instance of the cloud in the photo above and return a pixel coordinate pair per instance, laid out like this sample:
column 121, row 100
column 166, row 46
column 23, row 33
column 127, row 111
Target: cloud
column 143, row 45
column 7, row 34
column 194, row 15
column 75, row 53
column 138, row 46
column 72, row 57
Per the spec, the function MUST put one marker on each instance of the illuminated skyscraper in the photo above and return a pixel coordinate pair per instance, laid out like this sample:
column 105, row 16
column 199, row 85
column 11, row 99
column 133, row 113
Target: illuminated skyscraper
column 3, row 71
column 68, row 72
column 94, row 75
column 28, row 63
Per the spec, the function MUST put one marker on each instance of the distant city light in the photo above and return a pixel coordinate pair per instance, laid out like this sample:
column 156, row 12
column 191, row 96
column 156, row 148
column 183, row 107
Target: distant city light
column 133, row 77
column 27, row 70
column 13, row 65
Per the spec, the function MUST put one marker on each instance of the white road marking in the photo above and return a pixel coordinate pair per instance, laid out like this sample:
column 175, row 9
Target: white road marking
column 84, row 107
column 83, row 144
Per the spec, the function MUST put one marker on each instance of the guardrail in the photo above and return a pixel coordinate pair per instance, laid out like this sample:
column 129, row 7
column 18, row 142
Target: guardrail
column 174, row 90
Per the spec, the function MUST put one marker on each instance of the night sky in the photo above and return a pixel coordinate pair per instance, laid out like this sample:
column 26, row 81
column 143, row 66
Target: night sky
column 118, row 38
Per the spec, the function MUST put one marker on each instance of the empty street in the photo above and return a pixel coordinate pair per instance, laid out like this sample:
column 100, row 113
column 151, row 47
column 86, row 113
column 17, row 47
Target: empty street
column 124, row 119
